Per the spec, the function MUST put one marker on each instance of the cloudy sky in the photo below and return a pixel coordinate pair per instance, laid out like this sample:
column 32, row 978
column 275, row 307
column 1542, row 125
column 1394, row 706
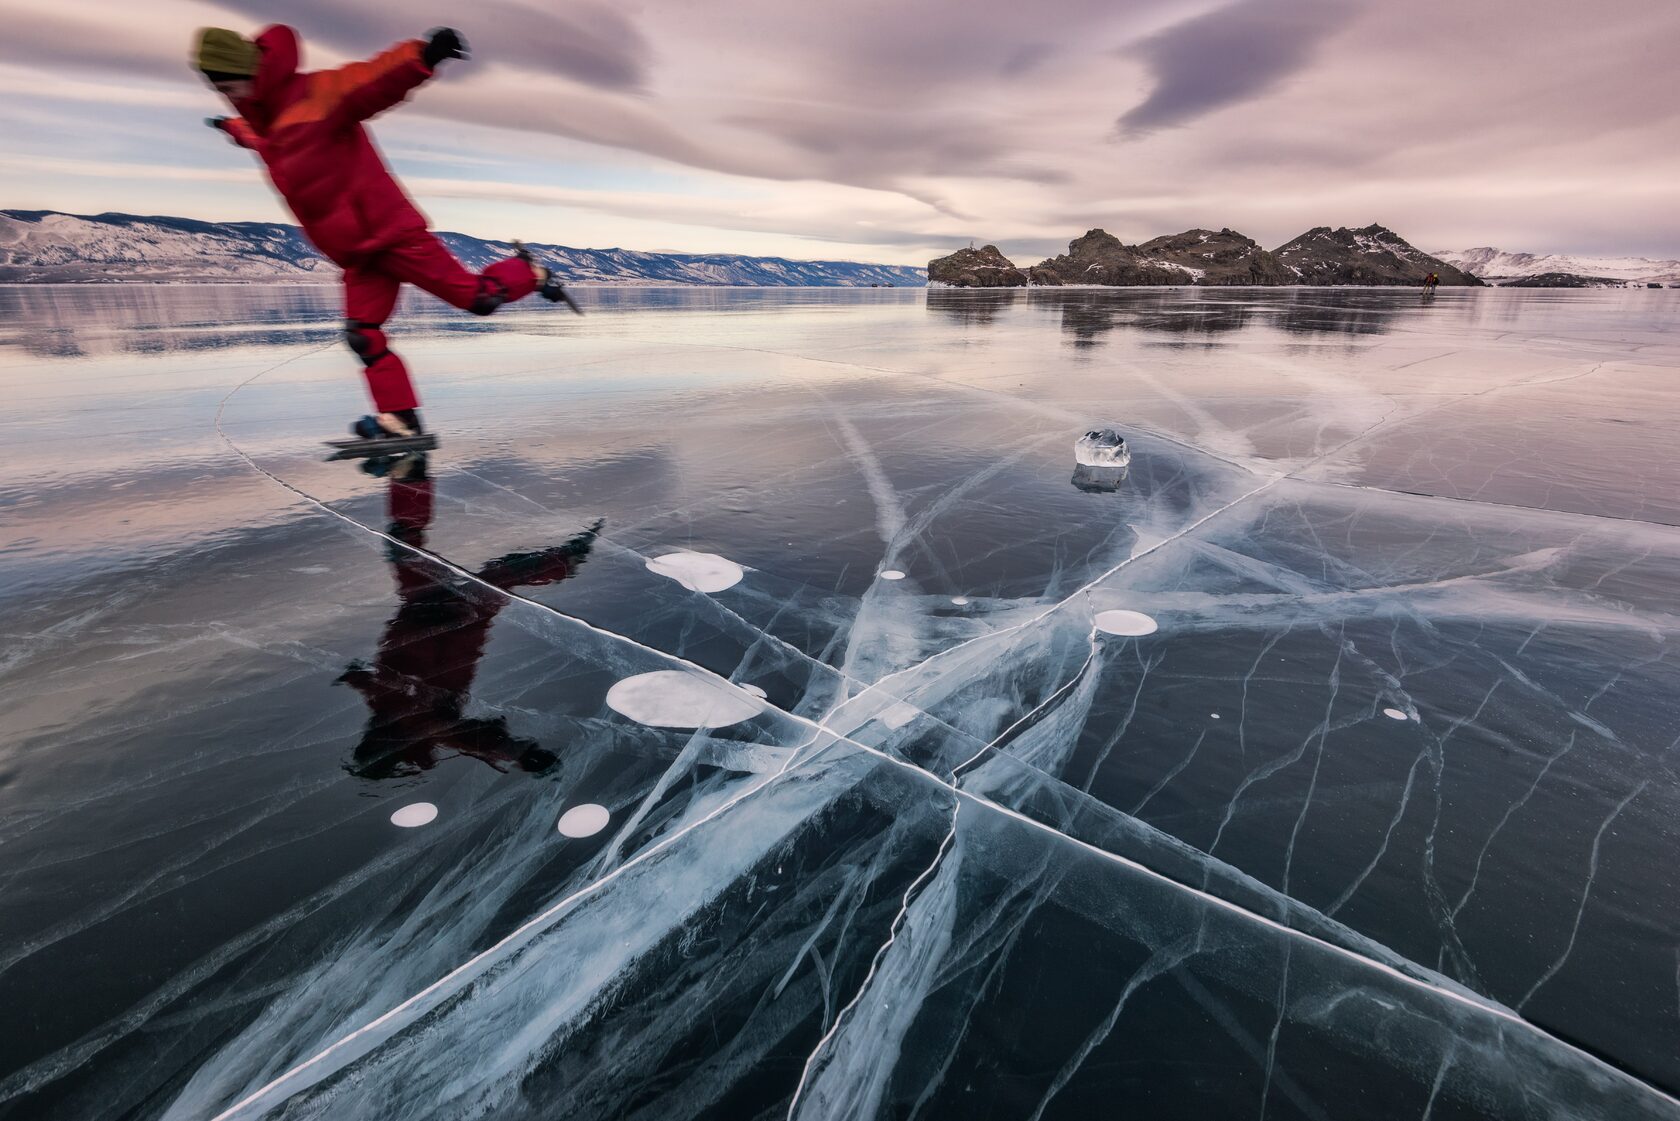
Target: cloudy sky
column 894, row 130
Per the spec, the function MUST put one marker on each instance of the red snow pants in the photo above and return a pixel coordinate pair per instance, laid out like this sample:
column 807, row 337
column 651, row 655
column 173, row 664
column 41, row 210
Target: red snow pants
column 420, row 259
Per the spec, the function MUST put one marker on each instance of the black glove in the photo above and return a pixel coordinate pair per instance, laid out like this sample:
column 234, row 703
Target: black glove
column 442, row 43
column 220, row 125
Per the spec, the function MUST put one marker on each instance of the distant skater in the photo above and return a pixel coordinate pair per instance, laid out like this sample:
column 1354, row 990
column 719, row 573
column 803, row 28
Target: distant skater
column 1430, row 282
column 308, row 130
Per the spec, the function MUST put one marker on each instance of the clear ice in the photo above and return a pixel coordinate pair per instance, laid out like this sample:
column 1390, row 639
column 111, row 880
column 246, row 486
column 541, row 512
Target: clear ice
column 1319, row 763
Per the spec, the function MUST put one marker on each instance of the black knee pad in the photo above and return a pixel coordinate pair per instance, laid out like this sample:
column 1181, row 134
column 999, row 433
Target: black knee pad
column 369, row 348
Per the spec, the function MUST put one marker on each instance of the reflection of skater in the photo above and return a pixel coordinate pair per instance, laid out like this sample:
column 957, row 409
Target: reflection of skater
column 418, row 686
column 308, row 130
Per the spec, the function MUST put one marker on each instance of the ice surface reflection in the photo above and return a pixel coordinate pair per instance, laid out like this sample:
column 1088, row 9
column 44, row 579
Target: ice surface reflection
column 419, row 684
column 844, row 760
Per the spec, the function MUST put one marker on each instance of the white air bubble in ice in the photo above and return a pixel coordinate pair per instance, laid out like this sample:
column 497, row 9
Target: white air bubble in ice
column 898, row 715
column 414, row 815
column 1215, row 715
column 698, row 572
column 1394, row 714
column 892, row 574
column 678, row 699
column 755, row 691
column 1131, row 623
column 960, row 601
column 583, row 821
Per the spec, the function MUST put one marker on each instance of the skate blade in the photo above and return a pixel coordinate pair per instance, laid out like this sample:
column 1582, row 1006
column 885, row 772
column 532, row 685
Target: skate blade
column 381, row 445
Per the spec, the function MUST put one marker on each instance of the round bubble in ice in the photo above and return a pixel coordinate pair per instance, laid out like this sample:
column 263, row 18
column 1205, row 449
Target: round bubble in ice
column 892, row 574
column 698, row 572
column 680, row 699
column 1131, row 623
column 896, row 716
column 1215, row 715
column 960, row 601
column 414, row 815
column 583, row 821
column 1394, row 714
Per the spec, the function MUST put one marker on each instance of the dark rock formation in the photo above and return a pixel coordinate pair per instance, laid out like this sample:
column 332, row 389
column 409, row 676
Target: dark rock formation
column 1099, row 258
column 1226, row 257
column 1373, row 255
column 976, row 268
column 1562, row 280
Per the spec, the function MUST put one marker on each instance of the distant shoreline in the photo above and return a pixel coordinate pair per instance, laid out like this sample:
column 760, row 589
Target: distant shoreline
column 1249, row 289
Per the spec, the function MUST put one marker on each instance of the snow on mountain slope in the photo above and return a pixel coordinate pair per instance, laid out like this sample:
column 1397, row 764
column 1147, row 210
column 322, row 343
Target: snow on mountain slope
column 1499, row 264
column 45, row 246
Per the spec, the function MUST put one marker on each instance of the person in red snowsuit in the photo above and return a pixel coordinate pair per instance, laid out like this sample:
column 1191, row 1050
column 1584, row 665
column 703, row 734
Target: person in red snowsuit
column 307, row 128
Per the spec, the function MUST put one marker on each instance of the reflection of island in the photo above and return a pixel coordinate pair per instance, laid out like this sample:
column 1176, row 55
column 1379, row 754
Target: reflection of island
column 1185, row 316
column 1098, row 480
column 1089, row 314
column 417, row 688
column 1355, row 312
column 971, row 306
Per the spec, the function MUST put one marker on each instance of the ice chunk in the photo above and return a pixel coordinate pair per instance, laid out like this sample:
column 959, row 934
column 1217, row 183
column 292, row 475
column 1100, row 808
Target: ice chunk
column 1102, row 447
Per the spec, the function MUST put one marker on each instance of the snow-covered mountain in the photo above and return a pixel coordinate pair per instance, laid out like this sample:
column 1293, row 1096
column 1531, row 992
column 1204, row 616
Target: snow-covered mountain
column 45, row 246
column 1498, row 264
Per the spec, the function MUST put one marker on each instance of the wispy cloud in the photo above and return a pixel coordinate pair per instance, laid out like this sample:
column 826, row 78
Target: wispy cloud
column 123, row 170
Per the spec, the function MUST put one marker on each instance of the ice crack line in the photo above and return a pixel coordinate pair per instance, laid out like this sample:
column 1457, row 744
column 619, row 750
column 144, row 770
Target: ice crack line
column 1586, row 893
column 875, row 962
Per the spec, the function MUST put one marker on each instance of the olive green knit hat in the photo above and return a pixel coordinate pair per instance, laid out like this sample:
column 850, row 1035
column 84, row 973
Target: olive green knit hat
column 221, row 51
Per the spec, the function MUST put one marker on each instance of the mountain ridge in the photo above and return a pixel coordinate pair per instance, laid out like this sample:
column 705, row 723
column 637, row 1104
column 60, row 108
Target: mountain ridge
column 1501, row 264
column 50, row 246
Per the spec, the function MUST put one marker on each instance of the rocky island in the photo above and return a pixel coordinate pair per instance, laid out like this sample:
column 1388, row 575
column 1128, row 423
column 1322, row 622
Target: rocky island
column 1372, row 255
column 984, row 267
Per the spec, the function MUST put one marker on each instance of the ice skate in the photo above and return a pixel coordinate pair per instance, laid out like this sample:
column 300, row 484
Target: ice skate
column 384, row 434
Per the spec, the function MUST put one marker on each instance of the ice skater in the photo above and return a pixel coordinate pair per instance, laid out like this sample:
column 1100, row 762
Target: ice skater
column 308, row 130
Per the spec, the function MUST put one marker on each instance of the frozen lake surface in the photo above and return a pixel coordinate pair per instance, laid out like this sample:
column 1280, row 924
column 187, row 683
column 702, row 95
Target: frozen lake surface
column 750, row 712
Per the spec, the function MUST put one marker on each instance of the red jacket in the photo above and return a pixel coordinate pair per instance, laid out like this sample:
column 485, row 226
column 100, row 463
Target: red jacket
column 308, row 130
